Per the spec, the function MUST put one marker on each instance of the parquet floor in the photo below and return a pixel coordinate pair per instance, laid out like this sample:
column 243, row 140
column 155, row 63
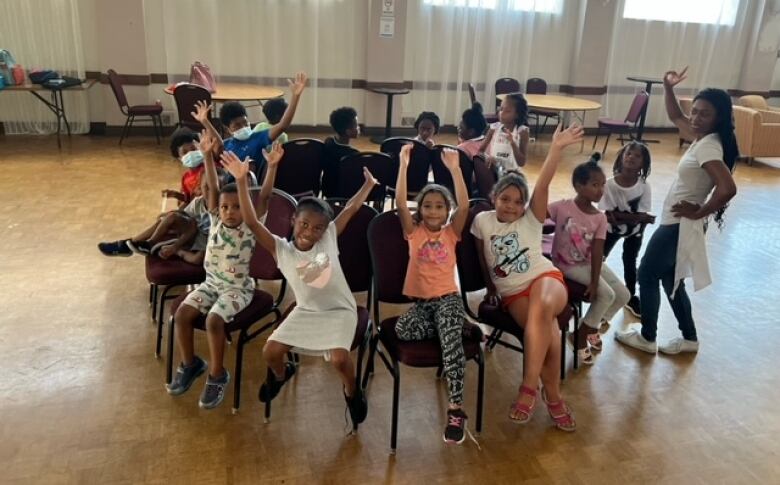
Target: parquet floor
column 82, row 398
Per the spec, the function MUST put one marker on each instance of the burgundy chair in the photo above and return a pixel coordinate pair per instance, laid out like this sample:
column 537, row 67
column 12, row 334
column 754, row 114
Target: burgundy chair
column 351, row 175
column 537, row 85
column 151, row 110
column 355, row 262
column 506, row 85
column 442, row 176
column 300, row 169
column 627, row 125
column 186, row 95
column 484, row 177
column 262, row 266
column 419, row 164
column 389, row 259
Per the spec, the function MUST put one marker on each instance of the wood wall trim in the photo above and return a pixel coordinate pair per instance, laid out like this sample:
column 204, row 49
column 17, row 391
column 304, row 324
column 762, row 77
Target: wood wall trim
column 583, row 90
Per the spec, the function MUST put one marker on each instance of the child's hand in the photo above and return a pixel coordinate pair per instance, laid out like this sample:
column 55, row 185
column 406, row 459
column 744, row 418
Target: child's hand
column 673, row 78
column 406, row 153
column 298, row 85
column 207, row 143
column 429, row 143
column 235, row 166
column 451, row 159
column 592, row 292
column 172, row 194
column 167, row 251
column 274, row 155
column 201, row 112
column 571, row 135
column 648, row 219
column 370, row 180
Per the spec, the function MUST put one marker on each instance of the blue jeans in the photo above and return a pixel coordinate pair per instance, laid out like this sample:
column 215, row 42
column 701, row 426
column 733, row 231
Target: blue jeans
column 658, row 264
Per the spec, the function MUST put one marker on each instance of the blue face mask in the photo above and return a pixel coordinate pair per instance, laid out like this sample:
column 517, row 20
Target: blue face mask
column 192, row 159
column 243, row 133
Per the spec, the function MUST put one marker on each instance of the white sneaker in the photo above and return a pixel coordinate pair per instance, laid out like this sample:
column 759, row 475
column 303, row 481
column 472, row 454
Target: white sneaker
column 633, row 338
column 679, row 344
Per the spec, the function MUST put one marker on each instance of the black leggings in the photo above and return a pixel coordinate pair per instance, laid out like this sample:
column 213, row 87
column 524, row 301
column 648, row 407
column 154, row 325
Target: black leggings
column 631, row 246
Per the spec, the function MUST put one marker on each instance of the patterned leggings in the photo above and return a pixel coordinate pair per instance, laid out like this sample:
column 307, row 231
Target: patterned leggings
column 442, row 318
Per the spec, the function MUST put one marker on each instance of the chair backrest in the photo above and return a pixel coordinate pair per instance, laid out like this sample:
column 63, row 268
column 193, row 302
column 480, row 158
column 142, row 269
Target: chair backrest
column 119, row 91
column 484, row 177
column 442, row 176
column 506, row 85
column 351, row 174
column 536, row 85
column 300, row 169
column 389, row 258
column 472, row 94
column 354, row 255
column 419, row 162
column 637, row 105
column 753, row 101
column 469, row 270
column 186, row 95
column 281, row 209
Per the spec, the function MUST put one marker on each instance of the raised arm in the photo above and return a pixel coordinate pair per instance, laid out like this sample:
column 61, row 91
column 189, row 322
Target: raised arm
column 491, row 295
column 451, row 160
column 296, row 87
column 407, row 223
column 673, row 110
column 272, row 157
column 561, row 139
column 355, row 202
column 239, row 170
column 207, row 144
column 201, row 113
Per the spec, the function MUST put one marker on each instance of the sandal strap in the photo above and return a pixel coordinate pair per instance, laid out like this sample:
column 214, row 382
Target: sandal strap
column 565, row 419
column 528, row 391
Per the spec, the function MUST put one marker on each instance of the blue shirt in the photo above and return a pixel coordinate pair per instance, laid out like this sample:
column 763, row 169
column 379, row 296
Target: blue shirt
column 252, row 147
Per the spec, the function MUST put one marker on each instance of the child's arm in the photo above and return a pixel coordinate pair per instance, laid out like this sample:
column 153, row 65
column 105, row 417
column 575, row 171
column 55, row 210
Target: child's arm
column 596, row 259
column 407, row 222
column 173, row 194
column 239, row 170
column 519, row 150
column 561, row 139
column 489, row 160
column 272, row 158
column 207, row 144
column 451, row 160
column 188, row 235
column 491, row 296
column 297, row 88
column 201, row 114
column 355, row 202
column 192, row 257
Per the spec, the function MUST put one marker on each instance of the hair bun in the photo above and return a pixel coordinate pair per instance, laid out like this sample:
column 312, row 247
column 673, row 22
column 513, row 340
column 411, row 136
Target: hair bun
column 477, row 107
column 595, row 157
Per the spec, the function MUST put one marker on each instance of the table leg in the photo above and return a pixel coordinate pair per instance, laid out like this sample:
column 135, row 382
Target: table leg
column 62, row 110
column 388, row 121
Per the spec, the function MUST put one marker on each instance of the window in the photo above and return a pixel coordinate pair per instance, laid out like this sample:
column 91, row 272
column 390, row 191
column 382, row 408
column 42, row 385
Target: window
column 545, row 6
column 722, row 12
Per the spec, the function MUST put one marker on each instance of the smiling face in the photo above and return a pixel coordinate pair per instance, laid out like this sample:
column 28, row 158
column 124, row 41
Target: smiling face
column 308, row 228
column 509, row 203
column 593, row 190
column 703, row 117
column 434, row 210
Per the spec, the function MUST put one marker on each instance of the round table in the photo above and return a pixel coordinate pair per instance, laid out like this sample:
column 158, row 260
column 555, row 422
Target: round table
column 240, row 92
column 648, row 81
column 389, row 92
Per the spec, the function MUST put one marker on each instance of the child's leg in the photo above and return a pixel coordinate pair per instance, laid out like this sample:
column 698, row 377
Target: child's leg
column 147, row 233
column 619, row 290
column 274, row 353
column 227, row 305
column 173, row 222
column 198, row 302
column 603, row 300
column 416, row 323
column 631, row 247
column 448, row 315
column 610, row 242
column 342, row 361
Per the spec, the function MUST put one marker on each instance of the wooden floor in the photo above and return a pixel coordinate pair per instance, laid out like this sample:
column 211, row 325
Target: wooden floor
column 82, row 397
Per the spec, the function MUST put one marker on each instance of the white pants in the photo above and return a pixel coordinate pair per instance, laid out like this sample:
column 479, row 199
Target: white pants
column 612, row 293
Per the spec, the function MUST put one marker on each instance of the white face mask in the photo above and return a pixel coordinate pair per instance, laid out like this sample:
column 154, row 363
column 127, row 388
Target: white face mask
column 243, row 133
column 192, row 159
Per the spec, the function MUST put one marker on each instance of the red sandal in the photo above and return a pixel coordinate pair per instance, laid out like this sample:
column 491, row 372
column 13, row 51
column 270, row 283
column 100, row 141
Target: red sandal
column 560, row 413
column 525, row 411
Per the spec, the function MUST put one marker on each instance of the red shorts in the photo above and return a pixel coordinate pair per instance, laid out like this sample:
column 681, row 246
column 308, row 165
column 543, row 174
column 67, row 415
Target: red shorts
column 554, row 274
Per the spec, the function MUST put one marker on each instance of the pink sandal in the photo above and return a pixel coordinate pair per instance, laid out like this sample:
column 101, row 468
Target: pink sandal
column 560, row 414
column 594, row 339
column 524, row 410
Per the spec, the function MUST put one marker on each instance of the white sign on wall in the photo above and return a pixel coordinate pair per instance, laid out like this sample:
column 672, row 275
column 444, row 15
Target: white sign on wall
column 388, row 7
column 386, row 27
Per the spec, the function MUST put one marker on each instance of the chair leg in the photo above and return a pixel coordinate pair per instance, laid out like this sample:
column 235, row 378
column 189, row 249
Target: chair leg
column 158, row 128
column 396, row 391
column 598, row 132
column 359, row 364
column 151, row 294
column 576, row 334
column 267, row 415
column 495, row 337
column 439, row 371
column 169, row 357
column 124, row 129
column 153, row 297
column 370, row 365
column 480, row 390
column 563, row 353
column 609, row 133
column 237, row 371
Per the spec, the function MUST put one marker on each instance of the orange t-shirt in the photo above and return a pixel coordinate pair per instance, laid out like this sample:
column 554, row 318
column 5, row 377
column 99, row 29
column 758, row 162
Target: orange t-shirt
column 431, row 270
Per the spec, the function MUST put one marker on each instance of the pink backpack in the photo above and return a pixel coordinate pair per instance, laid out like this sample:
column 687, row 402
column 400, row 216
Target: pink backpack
column 200, row 74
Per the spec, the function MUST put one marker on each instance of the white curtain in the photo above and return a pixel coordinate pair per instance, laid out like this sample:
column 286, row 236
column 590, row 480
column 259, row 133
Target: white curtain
column 713, row 51
column 42, row 34
column 266, row 42
column 450, row 43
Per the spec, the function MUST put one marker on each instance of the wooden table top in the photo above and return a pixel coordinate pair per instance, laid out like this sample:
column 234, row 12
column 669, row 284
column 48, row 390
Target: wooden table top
column 554, row 102
column 88, row 83
column 241, row 92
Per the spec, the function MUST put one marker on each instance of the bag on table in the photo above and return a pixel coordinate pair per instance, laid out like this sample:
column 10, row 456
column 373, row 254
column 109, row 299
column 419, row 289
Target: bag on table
column 200, row 74
column 40, row 76
column 7, row 64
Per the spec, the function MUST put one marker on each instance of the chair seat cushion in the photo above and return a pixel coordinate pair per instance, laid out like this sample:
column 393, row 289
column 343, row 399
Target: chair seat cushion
column 262, row 303
column 174, row 271
column 145, row 109
column 425, row 353
column 610, row 123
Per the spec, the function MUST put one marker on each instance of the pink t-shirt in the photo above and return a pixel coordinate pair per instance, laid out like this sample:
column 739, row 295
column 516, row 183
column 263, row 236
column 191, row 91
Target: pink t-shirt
column 574, row 233
column 472, row 146
column 431, row 270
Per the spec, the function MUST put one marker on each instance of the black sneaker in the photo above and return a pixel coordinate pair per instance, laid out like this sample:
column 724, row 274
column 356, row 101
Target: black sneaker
column 633, row 307
column 455, row 432
column 185, row 376
column 357, row 405
column 272, row 385
column 140, row 247
column 214, row 392
column 116, row 248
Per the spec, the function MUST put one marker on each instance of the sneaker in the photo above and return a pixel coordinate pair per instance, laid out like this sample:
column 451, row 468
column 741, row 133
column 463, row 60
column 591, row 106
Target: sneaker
column 214, row 392
column 156, row 248
column 679, row 344
column 358, row 406
column 185, row 376
column 633, row 338
column 140, row 247
column 116, row 248
column 633, row 307
column 455, row 432
column 273, row 385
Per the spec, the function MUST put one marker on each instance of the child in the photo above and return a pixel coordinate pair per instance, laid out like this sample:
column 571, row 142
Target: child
column 325, row 317
column 228, row 288
column 507, row 140
column 184, row 146
column 627, row 203
column 243, row 142
column 471, row 130
column 430, row 278
column 273, row 109
column 530, row 288
column 427, row 125
column 344, row 122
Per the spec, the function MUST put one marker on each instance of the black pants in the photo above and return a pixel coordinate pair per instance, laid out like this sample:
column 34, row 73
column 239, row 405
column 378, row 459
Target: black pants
column 631, row 246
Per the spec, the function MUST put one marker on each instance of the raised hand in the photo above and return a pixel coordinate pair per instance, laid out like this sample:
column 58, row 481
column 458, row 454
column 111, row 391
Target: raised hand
column 299, row 84
column 235, row 166
column 673, row 78
column 370, row 180
column 201, row 112
column 274, row 155
column 451, row 159
column 406, row 153
column 571, row 135
column 207, row 143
